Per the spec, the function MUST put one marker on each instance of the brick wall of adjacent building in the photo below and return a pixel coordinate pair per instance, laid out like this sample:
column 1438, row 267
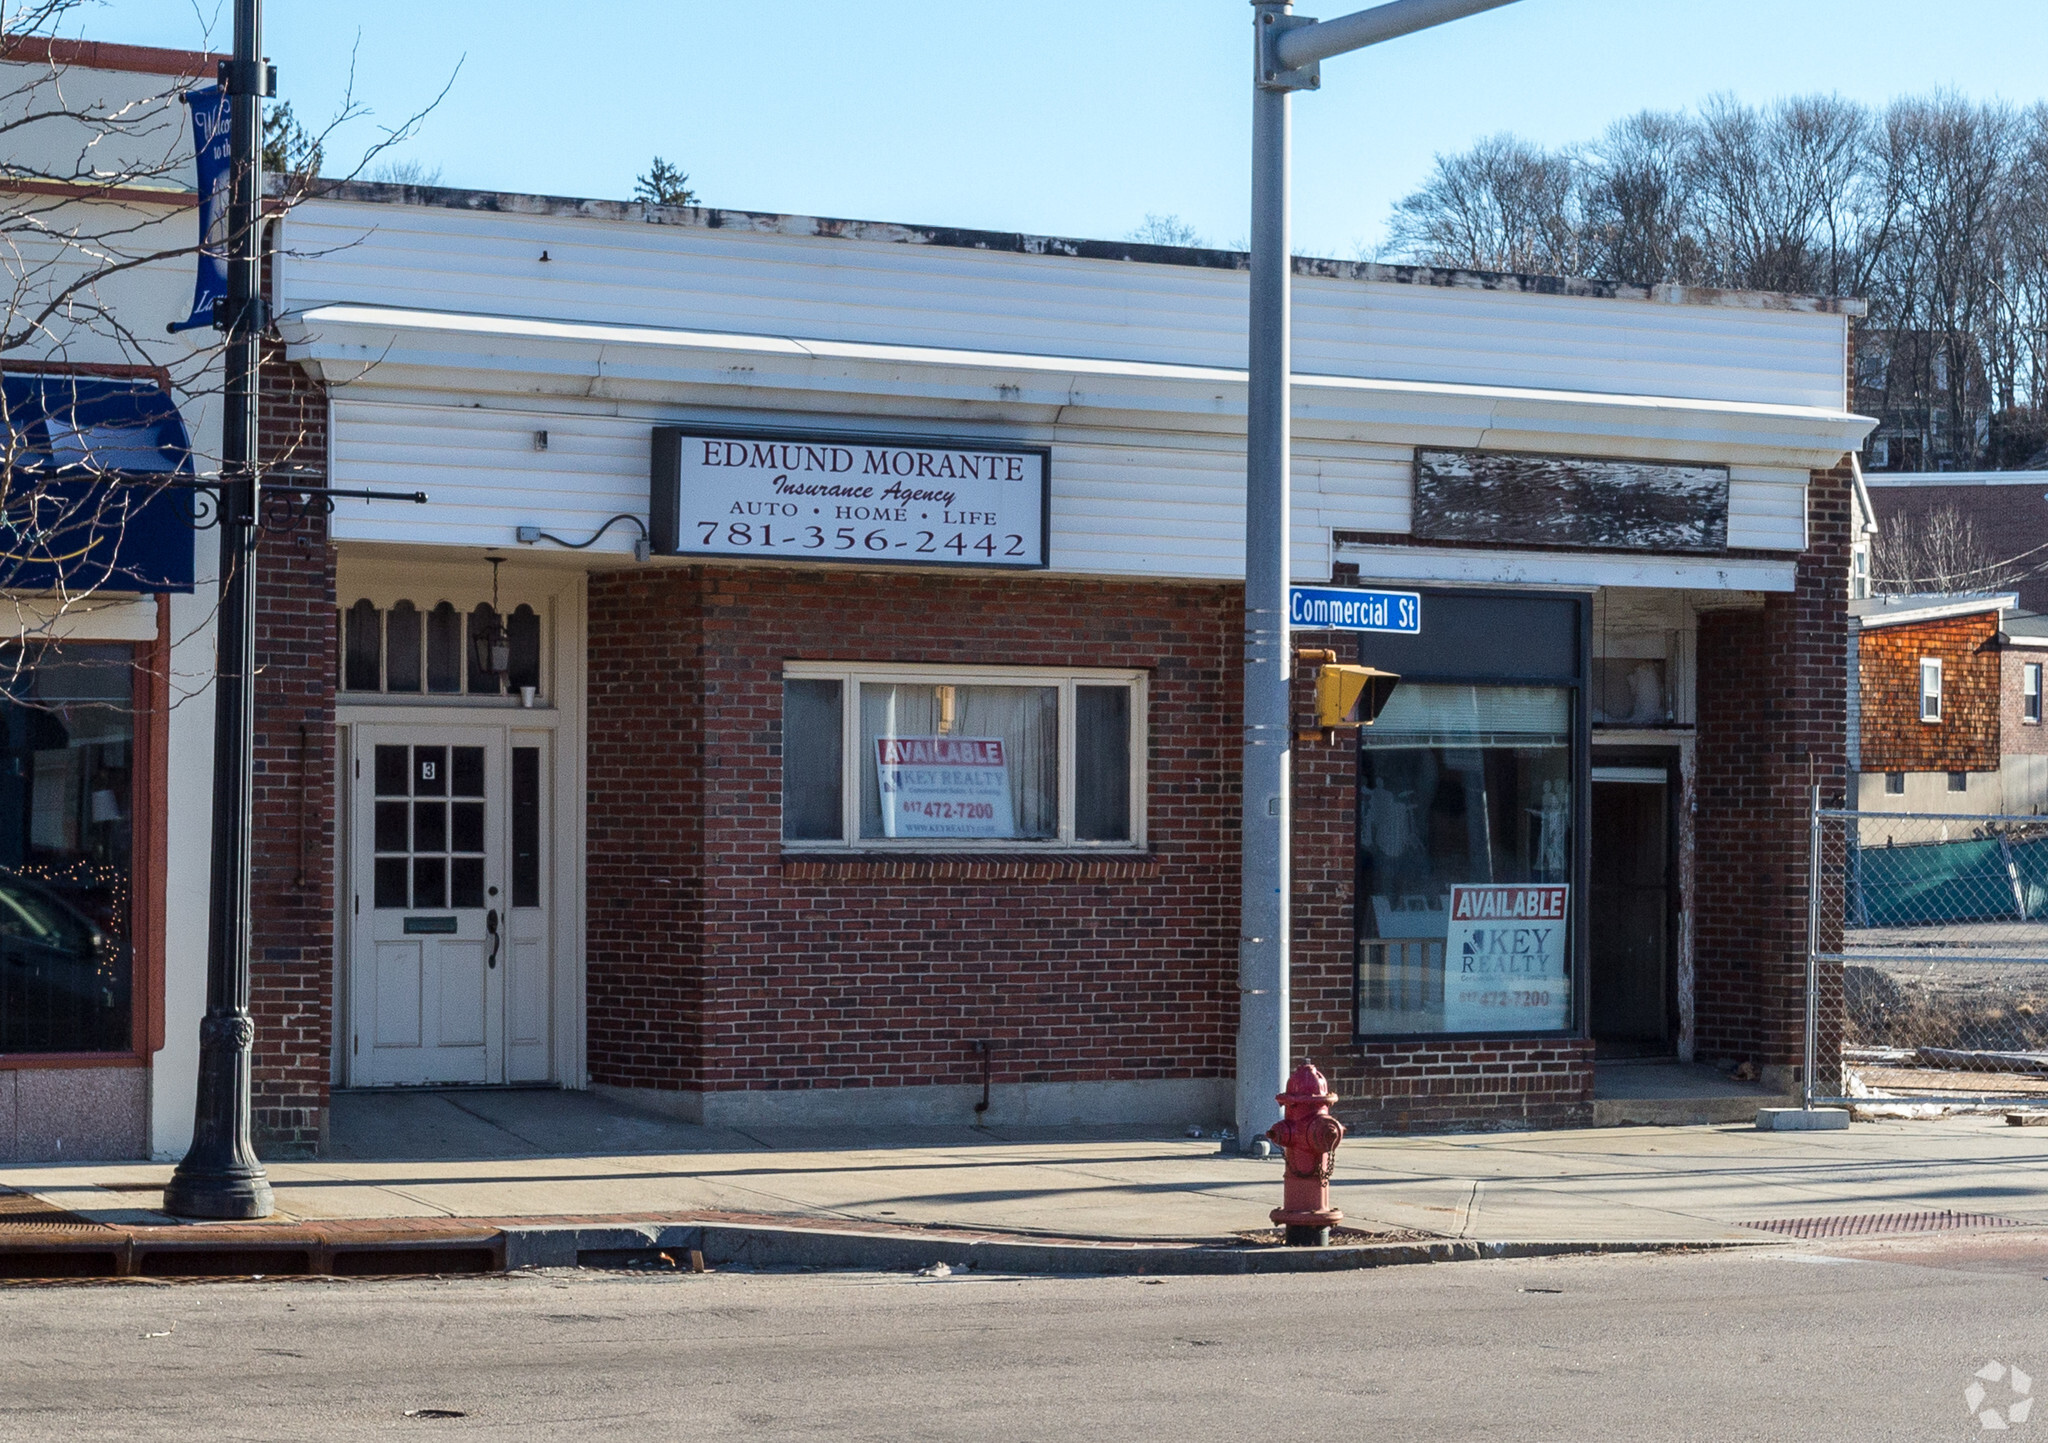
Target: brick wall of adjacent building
column 1891, row 736
column 2018, row 737
column 1773, row 697
column 293, row 861
column 1994, row 513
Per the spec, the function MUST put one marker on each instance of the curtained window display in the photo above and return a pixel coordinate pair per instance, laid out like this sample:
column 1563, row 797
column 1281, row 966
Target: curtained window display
column 961, row 759
column 67, row 834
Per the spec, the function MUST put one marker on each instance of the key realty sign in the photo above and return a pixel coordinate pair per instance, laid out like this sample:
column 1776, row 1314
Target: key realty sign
column 1505, row 958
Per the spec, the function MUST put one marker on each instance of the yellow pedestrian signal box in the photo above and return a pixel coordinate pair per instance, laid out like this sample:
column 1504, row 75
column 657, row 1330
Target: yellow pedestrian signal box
column 1352, row 696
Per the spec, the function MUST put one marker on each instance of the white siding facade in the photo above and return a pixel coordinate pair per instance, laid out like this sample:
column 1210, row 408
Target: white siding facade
column 451, row 333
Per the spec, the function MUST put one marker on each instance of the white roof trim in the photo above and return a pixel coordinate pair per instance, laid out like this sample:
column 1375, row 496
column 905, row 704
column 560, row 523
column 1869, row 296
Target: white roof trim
column 1874, row 611
column 1957, row 478
column 388, row 347
column 1447, row 565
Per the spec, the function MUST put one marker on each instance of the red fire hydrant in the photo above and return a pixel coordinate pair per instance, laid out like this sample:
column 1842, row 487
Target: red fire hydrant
column 1308, row 1136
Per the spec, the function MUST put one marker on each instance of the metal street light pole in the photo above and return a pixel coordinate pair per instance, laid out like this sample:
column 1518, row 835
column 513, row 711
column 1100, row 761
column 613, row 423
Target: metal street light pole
column 1287, row 49
column 220, row 1177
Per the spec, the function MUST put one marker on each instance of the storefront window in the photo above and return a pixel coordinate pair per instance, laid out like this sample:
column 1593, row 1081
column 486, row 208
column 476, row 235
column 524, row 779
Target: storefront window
column 962, row 759
column 1465, row 823
column 66, row 849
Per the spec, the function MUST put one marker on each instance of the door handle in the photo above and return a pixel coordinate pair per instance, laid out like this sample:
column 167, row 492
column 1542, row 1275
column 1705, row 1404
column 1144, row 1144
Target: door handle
column 491, row 926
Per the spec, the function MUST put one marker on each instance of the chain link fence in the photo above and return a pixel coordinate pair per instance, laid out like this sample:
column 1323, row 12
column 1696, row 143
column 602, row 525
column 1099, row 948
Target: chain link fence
column 1928, row 973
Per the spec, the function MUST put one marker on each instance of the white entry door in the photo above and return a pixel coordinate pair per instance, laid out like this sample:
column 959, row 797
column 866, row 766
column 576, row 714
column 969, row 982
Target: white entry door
column 449, row 981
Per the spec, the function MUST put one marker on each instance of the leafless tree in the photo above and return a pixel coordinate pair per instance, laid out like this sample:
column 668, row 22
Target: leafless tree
column 1934, row 209
column 1942, row 551
column 1165, row 230
column 1504, row 205
column 98, row 220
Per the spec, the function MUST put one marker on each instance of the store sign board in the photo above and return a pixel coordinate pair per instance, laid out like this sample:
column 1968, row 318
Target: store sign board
column 944, row 787
column 824, row 496
column 1351, row 608
column 1505, row 963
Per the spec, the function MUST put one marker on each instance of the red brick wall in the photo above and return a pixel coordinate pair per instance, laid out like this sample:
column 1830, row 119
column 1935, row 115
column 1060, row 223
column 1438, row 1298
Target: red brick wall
column 715, row 963
column 1396, row 1086
column 1772, row 709
column 1892, row 737
column 292, row 969
column 853, row 972
column 644, row 954
column 2016, row 735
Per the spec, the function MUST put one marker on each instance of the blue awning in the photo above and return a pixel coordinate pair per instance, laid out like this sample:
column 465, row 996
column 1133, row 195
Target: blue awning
column 80, row 510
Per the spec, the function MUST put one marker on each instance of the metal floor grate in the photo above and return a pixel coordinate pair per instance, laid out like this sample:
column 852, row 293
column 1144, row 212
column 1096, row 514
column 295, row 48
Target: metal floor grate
column 20, row 1211
column 1864, row 1225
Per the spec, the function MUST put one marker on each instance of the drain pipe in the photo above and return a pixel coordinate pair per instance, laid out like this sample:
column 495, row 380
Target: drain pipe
column 986, row 1048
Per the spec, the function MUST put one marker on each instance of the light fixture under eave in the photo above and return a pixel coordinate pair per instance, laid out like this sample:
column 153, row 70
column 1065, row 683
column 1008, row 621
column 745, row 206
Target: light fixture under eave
column 490, row 647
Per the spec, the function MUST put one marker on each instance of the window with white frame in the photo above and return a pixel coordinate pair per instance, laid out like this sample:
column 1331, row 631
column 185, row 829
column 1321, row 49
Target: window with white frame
column 1930, row 688
column 962, row 758
column 2030, row 692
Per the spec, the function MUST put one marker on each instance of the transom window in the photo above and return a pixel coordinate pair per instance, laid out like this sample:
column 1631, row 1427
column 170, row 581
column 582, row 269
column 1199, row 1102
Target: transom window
column 962, row 759
column 420, row 649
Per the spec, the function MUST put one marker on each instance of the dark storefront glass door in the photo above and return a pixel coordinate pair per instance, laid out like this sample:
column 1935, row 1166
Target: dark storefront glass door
column 1632, row 987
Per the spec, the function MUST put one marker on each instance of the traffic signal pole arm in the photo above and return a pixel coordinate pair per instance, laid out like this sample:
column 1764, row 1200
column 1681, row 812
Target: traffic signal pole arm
column 1288, row 50
column 1315, row 40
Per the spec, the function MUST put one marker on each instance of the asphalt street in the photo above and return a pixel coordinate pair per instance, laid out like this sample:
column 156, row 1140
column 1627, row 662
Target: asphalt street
column 1871, row 1341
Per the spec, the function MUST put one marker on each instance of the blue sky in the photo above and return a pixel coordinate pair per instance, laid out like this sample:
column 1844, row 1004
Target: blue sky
column 1056, row 116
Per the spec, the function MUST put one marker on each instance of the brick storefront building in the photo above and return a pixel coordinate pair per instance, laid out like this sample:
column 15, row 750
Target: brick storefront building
column 586, row 774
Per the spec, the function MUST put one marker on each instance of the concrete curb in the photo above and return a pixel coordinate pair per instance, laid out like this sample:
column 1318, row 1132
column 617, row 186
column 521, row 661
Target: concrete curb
column 725, row 1245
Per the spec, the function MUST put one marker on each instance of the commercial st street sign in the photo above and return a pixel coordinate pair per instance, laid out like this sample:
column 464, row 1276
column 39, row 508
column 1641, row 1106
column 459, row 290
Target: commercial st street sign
column 1350, row 608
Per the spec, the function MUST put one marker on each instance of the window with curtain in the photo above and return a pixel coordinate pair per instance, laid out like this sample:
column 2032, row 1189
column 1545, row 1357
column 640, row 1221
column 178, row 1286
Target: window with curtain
column 962, row 759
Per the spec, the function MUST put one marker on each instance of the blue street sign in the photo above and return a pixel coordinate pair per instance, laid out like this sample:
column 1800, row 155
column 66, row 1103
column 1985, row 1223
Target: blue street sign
column 1350, row 608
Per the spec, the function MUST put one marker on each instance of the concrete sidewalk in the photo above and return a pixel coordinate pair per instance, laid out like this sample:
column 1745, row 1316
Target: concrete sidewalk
column 541, row 1155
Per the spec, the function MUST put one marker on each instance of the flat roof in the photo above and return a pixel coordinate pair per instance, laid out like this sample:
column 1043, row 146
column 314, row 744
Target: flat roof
column 1878, row 611
column 1022, row 243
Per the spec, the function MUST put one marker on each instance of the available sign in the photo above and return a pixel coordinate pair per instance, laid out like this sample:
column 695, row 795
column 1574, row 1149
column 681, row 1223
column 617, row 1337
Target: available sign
column 824, row 496
column 944, row 787
column 1347, row 608
column 1504, row 959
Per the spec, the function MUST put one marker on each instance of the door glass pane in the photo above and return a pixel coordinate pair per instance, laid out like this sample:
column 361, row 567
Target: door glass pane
column 402, row 649
column 430, row 826
column 811, row 760
column 959, row 761
column 466, row 829
column 429, row 882
column 469, row 772
column 430, row 771
column 391, row 882
column 391, row 772
column 391, row 829
column 362, row 649
column 526, row 826
column 1102, row 763
column 466, row 882
column 444, row 649
column 1465, row 827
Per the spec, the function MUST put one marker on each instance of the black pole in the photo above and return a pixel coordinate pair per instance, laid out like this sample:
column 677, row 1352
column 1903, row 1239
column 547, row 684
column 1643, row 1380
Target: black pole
column 220, row 1177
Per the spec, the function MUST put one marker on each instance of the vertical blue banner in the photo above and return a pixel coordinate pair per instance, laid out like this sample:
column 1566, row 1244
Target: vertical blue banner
column 212, row 109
